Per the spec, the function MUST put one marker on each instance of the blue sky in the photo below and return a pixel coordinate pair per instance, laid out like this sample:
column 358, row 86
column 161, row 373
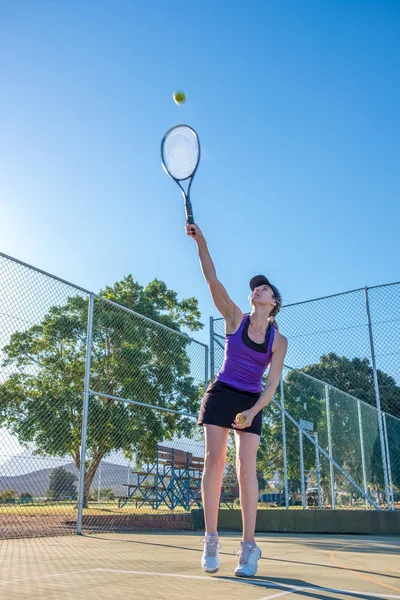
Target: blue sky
column 296, row 106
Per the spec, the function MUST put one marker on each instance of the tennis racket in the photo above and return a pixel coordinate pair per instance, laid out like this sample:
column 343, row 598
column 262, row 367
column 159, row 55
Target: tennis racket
column 180, row 155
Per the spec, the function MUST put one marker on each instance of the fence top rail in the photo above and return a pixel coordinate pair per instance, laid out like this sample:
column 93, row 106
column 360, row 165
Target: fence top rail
column 366, row 287
column 329, row 385
column 89, row 293
column 374, row 287
column 24, row 264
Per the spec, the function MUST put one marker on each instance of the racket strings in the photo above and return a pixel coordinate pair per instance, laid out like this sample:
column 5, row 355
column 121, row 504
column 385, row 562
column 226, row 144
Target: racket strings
column 181, row 152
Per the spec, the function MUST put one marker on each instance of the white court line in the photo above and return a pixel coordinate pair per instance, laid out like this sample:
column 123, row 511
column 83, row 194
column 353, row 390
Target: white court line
column 291, row 589
column 46, row 576
column 178, row 575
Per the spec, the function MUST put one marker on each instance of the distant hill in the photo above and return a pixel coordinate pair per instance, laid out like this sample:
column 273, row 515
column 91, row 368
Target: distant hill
column 37, row 482
column 27, row 462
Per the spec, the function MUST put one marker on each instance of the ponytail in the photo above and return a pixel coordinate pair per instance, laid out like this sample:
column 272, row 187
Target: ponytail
column 276, row 309
column 272, row 321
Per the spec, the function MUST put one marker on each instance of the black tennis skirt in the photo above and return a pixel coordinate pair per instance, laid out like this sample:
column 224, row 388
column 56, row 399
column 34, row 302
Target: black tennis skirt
column 222, row 402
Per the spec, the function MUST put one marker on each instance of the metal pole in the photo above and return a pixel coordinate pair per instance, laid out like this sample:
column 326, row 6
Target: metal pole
column 285, row 473
column 302, row 474
column 331, row 467
column 212, row 352
column 207, row 354
column 388, row 462
column 85, row 416
column 364, row 470
column 317, row 467
column 378, row 401
column 99, row 484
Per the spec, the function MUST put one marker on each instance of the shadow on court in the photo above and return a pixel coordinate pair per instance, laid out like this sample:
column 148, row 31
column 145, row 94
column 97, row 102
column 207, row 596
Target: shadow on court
column 377, row 547
column 167, row 566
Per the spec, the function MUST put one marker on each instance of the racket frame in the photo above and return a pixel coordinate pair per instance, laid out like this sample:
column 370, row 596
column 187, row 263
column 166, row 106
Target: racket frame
column 186, row 195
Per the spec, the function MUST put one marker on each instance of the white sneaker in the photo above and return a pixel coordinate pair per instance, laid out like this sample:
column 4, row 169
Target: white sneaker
column 248, row 557
column 210, row 558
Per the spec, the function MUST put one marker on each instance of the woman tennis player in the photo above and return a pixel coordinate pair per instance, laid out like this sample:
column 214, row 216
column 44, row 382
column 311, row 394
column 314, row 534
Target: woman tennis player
column 252, row 343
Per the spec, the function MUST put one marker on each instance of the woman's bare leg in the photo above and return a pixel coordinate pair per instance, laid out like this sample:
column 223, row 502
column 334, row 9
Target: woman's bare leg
column 216, row 440
column 246, row 452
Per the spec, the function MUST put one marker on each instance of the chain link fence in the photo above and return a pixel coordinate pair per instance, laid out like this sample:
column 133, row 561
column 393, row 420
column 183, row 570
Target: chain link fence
column 142, row 382
column 146, row 384
column 98, row 408
column 155, row 482
column 346, row 345
column 334, row 338
column 333, row 447
column 43, row 332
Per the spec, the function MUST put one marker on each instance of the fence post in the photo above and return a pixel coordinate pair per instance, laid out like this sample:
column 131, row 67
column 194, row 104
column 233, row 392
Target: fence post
column 388, row 461
column 207, row 352
column 364, row 470
column 99, row 484
column 212, row 358
column 285, row 474
column 318, row 469
column 378, row 401
column 331, row 467
column 302, row 474
column 85, row 416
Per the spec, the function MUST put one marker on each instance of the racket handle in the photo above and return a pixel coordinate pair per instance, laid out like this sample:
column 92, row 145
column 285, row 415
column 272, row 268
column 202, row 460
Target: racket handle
column 189, row 213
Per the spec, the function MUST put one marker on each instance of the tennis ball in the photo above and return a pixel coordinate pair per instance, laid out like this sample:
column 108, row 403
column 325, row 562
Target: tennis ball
column 240, row 420
column 179, row 97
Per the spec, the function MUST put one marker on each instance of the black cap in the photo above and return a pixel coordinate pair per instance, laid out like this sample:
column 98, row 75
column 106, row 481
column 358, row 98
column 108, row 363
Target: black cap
column 259, row 280
column 262, row 280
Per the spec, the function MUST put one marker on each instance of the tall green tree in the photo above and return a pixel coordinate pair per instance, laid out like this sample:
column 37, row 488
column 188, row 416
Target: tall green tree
column 62, row 483
column 355, row 376
column 41, row 400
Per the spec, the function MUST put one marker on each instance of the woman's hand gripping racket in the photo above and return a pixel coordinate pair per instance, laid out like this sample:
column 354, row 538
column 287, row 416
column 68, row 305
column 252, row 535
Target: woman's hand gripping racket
column 180, row 154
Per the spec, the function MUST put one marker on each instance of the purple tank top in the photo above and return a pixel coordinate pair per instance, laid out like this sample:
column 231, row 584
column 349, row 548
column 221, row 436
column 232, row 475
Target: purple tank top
column 244, row 367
